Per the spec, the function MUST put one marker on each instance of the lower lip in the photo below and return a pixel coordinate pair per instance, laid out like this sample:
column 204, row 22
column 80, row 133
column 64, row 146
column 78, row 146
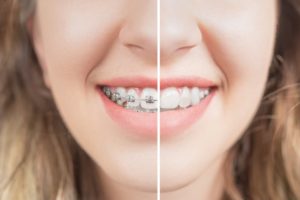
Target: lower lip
column 145, row 124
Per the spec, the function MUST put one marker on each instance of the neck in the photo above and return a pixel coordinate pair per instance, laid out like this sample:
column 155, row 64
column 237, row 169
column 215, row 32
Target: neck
column 209, row 185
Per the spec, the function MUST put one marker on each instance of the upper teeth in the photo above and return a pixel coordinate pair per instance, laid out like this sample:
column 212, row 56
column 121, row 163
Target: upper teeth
column 146, row 99
column 149, row 95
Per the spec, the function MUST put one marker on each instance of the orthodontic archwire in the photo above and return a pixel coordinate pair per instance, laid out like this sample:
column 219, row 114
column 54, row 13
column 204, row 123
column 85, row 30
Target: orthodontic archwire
column 115, row 96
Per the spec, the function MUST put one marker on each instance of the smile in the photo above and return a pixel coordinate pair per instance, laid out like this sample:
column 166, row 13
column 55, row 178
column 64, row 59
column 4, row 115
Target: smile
column 145, row 99
column 132, row 103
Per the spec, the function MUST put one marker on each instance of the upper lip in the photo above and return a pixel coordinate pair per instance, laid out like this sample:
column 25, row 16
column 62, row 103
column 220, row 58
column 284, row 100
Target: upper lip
column 142, row 82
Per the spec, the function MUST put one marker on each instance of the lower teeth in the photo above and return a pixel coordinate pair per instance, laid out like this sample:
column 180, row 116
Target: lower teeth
column 125, row 101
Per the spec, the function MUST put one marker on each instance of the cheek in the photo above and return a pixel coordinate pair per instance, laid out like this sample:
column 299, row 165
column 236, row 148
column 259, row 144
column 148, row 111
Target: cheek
column 74, row 38
column 242, row 43
column 242, row 46
column 74, row 42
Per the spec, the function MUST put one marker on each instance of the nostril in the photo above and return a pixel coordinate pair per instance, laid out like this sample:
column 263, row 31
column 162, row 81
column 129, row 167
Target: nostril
column 177, row 51
column 134, row 46
column 186, row 48
column 140, row 39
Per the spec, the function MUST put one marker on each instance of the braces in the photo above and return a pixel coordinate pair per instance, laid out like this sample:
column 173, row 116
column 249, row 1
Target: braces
column 115, row 96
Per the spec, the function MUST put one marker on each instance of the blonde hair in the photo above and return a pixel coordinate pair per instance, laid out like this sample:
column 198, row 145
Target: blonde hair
column 265, row 162
column 40, row 160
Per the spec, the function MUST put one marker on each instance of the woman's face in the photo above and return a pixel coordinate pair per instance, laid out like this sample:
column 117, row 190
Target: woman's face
column 229, row 43
column 84, row 45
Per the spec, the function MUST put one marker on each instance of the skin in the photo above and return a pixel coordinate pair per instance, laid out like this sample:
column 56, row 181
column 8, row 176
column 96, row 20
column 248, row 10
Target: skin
column 231, row 43
column 79, row 43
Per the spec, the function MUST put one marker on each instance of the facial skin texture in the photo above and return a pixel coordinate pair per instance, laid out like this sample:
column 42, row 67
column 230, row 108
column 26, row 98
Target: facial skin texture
column 230, row 43
column 79, row 43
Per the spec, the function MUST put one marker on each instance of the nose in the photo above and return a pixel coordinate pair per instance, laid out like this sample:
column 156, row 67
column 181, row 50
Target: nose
column 179, row 31
column 139, row 32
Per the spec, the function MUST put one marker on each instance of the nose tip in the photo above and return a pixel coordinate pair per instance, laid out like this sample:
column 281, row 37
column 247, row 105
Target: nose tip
column 176, row 38
column 139, row 31
column 175, row 42
column 179, row 30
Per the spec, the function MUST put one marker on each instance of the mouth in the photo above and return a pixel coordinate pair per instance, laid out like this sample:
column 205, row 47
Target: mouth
column 132, row 103
column 145, row 99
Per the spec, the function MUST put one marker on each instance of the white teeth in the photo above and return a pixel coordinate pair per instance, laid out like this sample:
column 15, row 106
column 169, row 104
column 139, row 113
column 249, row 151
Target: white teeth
column 146, row 100
column 185, row 98
column 206, row 92
column 203, row 93
column 135, row 103
column 122, row 92
column 149, row 96
column 169, row 98
column 195, row 95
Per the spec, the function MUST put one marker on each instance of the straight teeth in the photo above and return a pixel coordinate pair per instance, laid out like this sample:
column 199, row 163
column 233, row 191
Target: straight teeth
column 145, row 100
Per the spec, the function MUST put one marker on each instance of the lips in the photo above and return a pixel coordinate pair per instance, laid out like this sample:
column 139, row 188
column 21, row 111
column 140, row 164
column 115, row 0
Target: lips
column 142, row 82
column 144, row 124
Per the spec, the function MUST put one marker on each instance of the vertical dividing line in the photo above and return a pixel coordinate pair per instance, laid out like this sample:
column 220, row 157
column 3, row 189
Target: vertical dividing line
column 158, row 99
